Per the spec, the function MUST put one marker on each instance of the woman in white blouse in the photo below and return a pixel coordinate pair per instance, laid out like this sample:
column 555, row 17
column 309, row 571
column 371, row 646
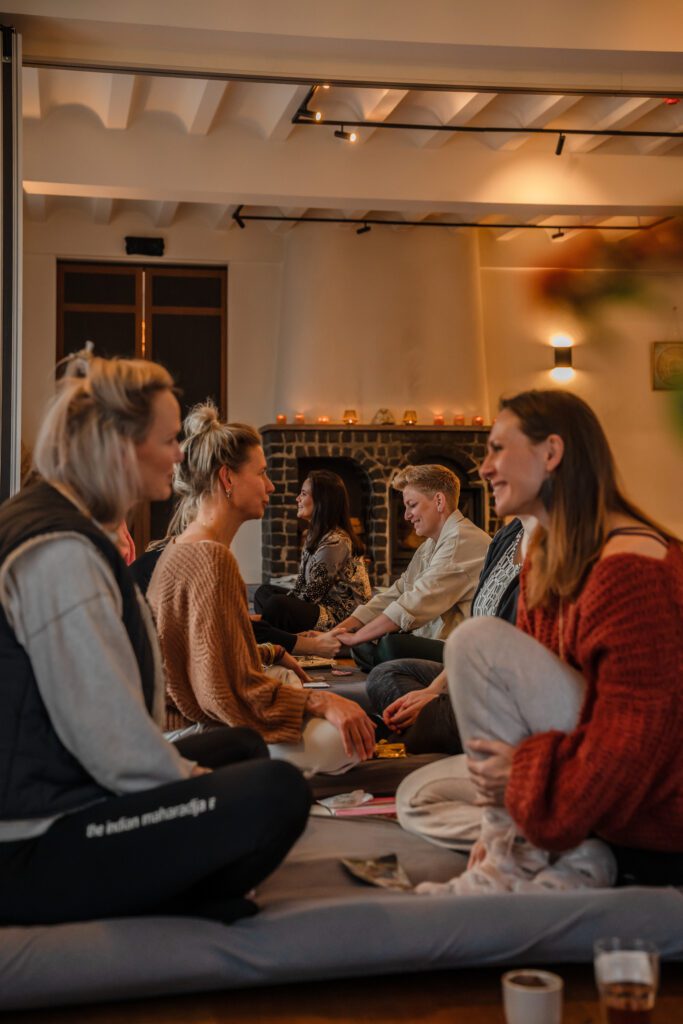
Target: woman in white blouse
column 435, row 592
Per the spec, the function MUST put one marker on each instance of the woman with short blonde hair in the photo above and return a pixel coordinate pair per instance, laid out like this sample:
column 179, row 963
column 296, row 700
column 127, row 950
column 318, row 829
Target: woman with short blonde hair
column 412, row 617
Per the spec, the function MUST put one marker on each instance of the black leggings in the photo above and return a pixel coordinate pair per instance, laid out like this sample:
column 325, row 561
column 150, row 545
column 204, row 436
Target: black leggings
column 280, row 608
column 187, row 848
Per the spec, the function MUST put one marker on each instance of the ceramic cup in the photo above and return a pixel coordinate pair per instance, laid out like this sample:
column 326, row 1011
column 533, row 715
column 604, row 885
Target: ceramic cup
column 532, row 997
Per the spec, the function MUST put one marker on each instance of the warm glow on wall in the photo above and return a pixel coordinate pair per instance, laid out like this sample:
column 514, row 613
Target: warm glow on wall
column 563, row 370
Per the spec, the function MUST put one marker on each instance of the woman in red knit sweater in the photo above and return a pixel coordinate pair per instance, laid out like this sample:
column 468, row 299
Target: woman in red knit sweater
column 574, row 719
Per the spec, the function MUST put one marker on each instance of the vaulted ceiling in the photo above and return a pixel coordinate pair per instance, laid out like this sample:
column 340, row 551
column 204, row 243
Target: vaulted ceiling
column 478, row 142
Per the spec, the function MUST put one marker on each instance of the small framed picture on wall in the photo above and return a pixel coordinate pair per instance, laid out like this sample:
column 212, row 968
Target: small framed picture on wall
column 667, row 365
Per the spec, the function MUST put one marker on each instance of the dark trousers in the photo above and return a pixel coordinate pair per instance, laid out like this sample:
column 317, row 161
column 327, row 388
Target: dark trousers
column 435, row 731
column 187, row 848
column 397, row 645
column 267, row 634
column 280, row 608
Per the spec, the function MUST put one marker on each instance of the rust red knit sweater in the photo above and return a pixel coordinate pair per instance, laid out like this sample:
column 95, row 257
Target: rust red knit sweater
column 619, row 774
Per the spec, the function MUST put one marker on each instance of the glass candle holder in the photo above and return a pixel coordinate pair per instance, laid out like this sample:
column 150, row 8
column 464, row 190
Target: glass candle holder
column 439, row 419
column 409, row 418
column 281, row 418
column 459, row 419
column 350, row 417
column 323, row 419
column 477, row 421
column 299, row 418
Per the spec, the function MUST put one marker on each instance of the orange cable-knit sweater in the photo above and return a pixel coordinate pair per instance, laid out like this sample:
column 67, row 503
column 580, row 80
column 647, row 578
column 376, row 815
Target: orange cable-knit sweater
column 619, row 774
column 211, row 662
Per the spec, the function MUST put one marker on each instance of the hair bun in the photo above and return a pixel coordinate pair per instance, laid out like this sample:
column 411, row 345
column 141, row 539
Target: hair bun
column 200, row 418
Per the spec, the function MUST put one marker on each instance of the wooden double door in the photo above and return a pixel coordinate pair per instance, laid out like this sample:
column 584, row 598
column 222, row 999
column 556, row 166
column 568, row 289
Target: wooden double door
column 174, row 315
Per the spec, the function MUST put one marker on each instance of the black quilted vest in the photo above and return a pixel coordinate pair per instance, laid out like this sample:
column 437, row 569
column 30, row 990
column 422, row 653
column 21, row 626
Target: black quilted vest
column 38, row 776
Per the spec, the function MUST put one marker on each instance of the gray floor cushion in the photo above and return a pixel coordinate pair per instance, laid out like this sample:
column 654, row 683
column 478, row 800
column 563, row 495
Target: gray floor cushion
column 317, row 922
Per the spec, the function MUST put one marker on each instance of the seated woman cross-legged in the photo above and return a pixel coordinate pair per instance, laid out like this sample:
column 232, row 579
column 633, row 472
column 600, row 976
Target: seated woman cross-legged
column 573, row 721
column 413, row 617
column 332, row 577
column 214, row 669
column 100, row 816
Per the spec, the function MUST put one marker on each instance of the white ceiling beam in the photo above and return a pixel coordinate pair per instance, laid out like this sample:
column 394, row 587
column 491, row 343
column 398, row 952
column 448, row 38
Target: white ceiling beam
column 282, row 227
column 452, row 108
column 164, row 214
column 526, row 112
column 608, row 113
column 120, row 101
column 102, row 210
column 204, row 102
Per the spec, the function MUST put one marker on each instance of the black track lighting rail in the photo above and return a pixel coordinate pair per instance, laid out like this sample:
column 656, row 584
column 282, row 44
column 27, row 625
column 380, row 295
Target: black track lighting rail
column 365, row 223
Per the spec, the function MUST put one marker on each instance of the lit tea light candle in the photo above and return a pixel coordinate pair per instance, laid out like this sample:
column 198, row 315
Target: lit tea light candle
column 477, row 421
column 350, row 417
column 410, row 418
column 459, row 419
column 438, row 419
column 299, row 417
column 281, row 418
column 323, row 419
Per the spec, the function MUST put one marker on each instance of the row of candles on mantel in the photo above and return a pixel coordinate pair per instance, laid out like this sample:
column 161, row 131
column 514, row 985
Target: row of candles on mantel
column 350, row 419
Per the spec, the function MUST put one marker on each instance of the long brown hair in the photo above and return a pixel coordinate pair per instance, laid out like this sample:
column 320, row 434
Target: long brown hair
column 580, row 494
column 330, row 510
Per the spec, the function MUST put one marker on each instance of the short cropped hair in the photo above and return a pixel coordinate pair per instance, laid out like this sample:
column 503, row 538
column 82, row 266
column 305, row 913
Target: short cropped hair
column 430, row 480
column 102, row 409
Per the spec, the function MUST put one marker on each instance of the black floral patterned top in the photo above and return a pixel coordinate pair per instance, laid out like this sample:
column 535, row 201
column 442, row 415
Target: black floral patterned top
column 333, row 578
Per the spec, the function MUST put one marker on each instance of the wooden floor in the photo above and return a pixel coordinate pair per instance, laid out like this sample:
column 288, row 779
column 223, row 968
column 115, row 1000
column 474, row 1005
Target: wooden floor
column 453, row 997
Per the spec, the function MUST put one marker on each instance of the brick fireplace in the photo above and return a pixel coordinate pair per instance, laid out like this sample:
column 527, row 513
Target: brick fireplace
column 367, row 458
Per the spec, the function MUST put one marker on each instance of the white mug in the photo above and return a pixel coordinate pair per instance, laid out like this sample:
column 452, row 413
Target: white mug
column 532, row 997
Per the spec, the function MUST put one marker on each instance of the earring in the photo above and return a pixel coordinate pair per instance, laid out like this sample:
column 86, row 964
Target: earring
column 228, row 493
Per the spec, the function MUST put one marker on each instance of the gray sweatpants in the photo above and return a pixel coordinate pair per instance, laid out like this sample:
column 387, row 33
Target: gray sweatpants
column 503, row 685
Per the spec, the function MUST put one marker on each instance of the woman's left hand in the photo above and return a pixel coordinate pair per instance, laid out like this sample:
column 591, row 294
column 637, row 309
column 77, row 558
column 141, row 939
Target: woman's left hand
column 490, row 774
column 287, row 661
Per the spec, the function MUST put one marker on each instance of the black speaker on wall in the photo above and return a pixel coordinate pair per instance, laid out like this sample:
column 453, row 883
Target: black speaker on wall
column 144, row 246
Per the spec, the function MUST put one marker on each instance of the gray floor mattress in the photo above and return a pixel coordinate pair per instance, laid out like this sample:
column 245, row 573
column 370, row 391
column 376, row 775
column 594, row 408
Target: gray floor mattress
column 317, row 922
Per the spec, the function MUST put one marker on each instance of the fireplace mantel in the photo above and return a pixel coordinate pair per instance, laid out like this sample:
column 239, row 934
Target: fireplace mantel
column 377, row 452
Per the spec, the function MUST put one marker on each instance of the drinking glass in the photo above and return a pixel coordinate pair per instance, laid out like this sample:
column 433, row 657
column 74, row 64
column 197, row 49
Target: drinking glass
column 627, row 975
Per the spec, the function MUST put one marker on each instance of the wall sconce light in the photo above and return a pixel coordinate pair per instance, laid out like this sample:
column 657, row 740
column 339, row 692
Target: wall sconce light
column 563, row 369
column 341, row 133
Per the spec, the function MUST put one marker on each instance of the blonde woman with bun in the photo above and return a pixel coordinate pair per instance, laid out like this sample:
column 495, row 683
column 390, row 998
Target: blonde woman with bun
column 100, row 816
column 213, row 666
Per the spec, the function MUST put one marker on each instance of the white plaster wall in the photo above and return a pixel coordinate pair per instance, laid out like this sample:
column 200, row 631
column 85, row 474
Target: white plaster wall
column 386, row 319
column 612, row 362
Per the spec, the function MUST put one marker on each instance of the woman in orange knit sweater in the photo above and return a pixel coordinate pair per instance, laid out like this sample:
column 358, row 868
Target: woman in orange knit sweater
column 213, row 667
column 574, row 720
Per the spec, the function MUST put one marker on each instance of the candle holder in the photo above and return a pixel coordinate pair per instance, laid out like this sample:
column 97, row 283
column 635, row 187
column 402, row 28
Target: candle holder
column 439, row 419
column 350, row 417
column 409, row 418
column 323, row 419
column 299, row 418
column 459, row 419
column 281, row 419
column 477, row 421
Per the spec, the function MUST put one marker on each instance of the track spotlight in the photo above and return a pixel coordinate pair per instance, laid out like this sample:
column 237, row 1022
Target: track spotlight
column 236, row 217
column 346, row 136
column 560, row 144
column 310, row 115
column 364, row 230
column 558, row 234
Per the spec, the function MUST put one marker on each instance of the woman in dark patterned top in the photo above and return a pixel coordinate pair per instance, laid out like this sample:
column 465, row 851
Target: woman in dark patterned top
column 332, row 578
